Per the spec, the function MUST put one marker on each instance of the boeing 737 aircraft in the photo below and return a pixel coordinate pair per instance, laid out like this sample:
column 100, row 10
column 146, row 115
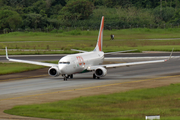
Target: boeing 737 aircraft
column 83, row 62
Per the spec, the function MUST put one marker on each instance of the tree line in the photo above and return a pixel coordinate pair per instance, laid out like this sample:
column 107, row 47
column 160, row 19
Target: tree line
column 47, row 14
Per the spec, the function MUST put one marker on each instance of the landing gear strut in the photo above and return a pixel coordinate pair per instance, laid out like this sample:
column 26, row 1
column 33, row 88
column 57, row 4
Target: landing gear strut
column 67, row 76
column 71, row 76
column 94, row 77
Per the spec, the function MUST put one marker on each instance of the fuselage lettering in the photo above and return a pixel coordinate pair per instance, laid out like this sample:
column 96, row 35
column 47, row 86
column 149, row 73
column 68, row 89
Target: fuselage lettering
column 80, row 60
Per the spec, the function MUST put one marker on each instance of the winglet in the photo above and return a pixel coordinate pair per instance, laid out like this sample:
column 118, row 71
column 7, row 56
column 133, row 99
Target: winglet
column 7, row 54
column 171, row 54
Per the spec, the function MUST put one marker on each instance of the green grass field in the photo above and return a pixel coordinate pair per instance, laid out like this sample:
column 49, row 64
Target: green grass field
column 131, row 105
column 125, row 39
column 8, row 68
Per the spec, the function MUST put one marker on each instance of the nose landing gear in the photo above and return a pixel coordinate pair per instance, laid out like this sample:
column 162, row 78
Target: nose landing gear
column 67, row 76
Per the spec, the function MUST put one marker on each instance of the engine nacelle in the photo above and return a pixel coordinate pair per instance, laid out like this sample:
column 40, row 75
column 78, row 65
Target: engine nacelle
column 101, row 72
column 54, row 71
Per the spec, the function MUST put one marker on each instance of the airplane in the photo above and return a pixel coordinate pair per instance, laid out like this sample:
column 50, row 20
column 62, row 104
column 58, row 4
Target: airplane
column 83, row 62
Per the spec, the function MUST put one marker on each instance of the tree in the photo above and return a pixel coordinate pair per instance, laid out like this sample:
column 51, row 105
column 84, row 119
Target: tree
column 53, row 12
column 98, row 2
column 164, row 15
column 1, row 3
column 34, row 20
column 7, row 8
column 176, row 18
column 114, row 3
column 57, row 2
column 39, row 5
column 9, row 19
column 77, row 10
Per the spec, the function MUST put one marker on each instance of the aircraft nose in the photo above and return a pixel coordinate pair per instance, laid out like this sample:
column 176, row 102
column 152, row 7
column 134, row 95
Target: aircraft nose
column 62, row 69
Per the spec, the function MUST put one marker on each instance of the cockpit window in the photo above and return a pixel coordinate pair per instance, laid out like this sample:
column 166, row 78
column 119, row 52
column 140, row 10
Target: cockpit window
column 64, row 62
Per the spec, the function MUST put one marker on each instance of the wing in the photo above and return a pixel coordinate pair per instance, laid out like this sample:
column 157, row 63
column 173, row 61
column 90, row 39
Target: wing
column 119, row 52
column 125, row 64
column 79, row 50
column 135, row 58
column 106, row 53
column 30, row 62
column 129, row 58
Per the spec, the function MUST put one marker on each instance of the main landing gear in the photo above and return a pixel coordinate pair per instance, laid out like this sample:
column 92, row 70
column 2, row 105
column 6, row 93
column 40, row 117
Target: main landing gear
column 94, row 77
column 67, row 76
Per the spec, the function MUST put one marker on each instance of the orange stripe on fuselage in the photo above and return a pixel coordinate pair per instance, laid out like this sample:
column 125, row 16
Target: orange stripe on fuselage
column 100, row 35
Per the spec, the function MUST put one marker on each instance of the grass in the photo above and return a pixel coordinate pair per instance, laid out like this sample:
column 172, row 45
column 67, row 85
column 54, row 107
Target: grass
column 135, row 33
column 131, row 105
column 109, row 46
column 86, row 40
column 37, row 52
column 8, row 68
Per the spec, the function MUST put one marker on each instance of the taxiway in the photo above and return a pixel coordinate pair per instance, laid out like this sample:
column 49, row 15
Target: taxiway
column 47, row 89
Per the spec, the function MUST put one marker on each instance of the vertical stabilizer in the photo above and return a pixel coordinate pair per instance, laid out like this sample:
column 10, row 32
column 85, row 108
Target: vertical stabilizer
column 100, row 36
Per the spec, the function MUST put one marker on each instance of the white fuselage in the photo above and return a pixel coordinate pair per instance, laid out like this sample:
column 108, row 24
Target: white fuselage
column 78, row 63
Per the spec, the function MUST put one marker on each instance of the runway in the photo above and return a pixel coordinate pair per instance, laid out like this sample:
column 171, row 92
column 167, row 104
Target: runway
column 48, row 89
column 118, row 75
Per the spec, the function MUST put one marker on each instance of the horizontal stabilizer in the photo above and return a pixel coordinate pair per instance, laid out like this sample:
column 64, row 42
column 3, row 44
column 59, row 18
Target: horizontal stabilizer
column 79, row 50
column 120, row 52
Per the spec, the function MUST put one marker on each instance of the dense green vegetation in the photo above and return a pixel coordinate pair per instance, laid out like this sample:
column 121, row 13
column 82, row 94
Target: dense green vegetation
column 131, row 105
column 50, row 14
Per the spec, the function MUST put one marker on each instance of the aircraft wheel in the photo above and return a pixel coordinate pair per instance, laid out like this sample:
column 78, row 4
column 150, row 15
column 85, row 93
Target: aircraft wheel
column 94, row 76
column 65, row 77
column 71, row 76
column 98, row 77
column 68, row 76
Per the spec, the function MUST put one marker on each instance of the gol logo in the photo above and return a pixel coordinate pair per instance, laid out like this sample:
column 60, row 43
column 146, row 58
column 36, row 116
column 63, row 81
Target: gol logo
column 80, row 60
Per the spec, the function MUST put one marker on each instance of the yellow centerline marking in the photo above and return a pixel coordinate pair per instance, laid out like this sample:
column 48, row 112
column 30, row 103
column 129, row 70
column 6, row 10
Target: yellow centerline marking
column 90, row 87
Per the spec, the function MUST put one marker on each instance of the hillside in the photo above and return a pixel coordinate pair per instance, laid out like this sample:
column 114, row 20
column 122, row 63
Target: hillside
column 50, row 14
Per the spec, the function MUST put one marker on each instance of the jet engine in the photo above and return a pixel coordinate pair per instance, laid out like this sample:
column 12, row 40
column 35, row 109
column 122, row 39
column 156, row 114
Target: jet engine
column 101, row 72
column 54, row 71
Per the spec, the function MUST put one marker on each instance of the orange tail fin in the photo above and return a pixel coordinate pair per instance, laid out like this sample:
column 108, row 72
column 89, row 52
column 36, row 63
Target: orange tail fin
column 100, row 36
